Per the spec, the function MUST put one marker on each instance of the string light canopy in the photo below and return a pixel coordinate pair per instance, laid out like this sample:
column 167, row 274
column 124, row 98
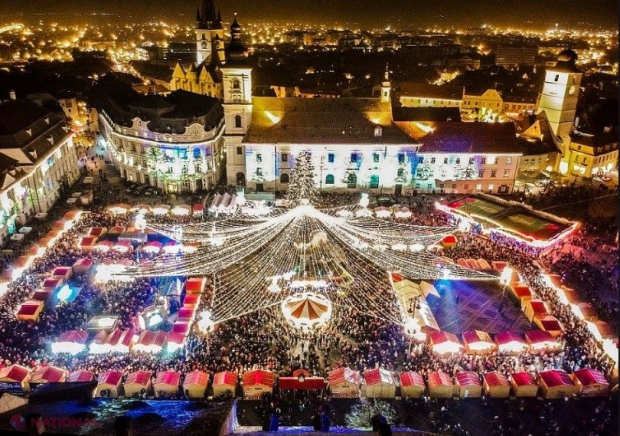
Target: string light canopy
column 341, row 253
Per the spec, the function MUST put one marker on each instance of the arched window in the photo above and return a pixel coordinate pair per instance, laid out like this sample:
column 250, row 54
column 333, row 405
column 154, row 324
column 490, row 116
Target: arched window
column 374, row 181
column 284, row 178
column 329, row 179
column 238, row 121
column 352, row 181
column 236, row 84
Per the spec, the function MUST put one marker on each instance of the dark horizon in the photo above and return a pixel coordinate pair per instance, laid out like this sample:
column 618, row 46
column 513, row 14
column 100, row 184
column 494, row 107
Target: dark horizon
column 399, row 14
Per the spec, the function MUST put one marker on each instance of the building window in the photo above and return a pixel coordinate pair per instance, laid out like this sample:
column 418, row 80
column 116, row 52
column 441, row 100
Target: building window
column 284, row 158
column 526, row 161
column 284, row 178
column 374, row 181
column 429, row 186
column 466, row 186
column 508, row 160
column 481, row 173
column 196, row 153
column 493, row 173
column 236, row 84
column 259, row 172
column 259, row 158
column 491, row 186
column 484, row 160
column 557, row 77
column 400, row 173
column 352, row 181
column 330, row 158
column 506, row 173
column 445, row 160
column 375, row 157
column 239, row 150
column 454, row 186
column 329, row 179
column 458, row 160
column 353, row 157
column 238, row 121
column 479, row 187
column 471, row 160
column 401, row 158
column 421, row 159
column 432, row 160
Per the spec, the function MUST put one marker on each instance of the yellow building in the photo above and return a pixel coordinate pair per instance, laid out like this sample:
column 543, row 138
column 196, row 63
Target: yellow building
column 485, row 106
column 593, row 155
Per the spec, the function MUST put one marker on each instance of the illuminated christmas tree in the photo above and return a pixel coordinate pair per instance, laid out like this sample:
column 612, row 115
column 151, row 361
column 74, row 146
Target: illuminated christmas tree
column 302, row 185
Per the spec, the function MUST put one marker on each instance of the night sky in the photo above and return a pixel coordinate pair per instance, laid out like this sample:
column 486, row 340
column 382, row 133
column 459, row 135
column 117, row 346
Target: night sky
column 364, row 13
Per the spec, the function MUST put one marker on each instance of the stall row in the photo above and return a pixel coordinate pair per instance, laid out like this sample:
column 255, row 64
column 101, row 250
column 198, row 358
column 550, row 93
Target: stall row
column 159, row 209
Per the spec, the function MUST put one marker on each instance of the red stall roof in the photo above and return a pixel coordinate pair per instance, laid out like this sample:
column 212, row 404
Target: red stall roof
column 556, row 378
column 523, row 378
column 170, row 378
column 225, row 378
column 258, row 377
column 14, row 372
column 111, row 377
column 342, row 375
column 379, row 375
column 590, row 377
column 496, row 379
column 139, row 377
column 467, row 378
column 411, row 379
column 439, row 378
column 80, row 376
column 307, row 383
column 196, row 378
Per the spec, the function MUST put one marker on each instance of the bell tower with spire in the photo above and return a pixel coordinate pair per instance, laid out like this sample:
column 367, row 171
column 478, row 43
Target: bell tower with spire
column 386, row 86
column 209, row 34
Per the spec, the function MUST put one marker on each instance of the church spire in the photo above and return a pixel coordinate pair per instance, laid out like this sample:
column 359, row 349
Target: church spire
column 208, row 17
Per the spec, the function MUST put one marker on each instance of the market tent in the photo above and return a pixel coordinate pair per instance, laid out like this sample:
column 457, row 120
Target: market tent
column 109, row 384
column 556, row 384
column 301, row 382
column 185, row 314
column 468, row 384
column 600, row 330
column 534, row 308
column 444, row 343
column 16, row 375
column 498, row 265
column 137, row 383
column 411, row 385
column 191, row 301
column 97, row 231
column 549, row 324
column 30, row 310
column 382, row 212
column 104, row 246
column 484, row 265
column 117, row 230
column 198, row 209
column 123, row 246
column 52, row 283
column 448, row 241
column 477, row 342
column 379, row 383
column 80, row 376
column 541, row 341
column 509, row 342
column 257, row 382
column 181, row 327
column 195, row 384
column 223, row 382
column 82, row 266
column 41, row 295
column 344, row 383
column 403, row 212
column 570, row 295
column 153, row 247
column 521, row 291
column 440, row 385
column 584, row 311
column 150, row 341
column 523, row 384
column 181, row 210
column 72, row 342
column 195, row 285
column 87, row 243
column 496, row 385
column 167, row 384
column 174, row 341
column 590, row 382
column 160, row 209
column 48, row 374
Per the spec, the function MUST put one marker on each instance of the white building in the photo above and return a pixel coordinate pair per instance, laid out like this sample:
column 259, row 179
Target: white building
column 38, row 161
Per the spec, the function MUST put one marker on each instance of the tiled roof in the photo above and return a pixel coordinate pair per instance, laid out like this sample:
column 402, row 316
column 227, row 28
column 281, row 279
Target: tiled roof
column 318, row 121
column 426, row 114
column 17, row 115
column 426, row 90
column 451, row 137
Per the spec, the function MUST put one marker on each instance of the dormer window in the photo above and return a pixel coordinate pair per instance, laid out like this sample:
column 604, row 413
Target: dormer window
column 47, row 120
column 29, row 132
column 378, row 131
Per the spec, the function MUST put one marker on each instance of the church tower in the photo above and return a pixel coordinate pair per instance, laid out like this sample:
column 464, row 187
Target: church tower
column 386, row 86
column 209, row 34
column 237, row 102
column 559, row 101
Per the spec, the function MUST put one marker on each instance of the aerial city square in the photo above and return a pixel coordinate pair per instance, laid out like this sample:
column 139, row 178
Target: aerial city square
column 277, row 217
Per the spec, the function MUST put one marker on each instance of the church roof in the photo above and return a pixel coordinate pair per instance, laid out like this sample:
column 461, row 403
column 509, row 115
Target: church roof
column 426, row 114
column 450, row 137
column 426, row 90
column 323, row 121
column 17, row 115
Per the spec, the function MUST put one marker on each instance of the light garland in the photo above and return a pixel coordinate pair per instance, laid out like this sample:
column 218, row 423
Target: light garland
column 339, row 253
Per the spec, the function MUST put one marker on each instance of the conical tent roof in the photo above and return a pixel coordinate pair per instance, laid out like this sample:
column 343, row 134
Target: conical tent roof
column 307, row 308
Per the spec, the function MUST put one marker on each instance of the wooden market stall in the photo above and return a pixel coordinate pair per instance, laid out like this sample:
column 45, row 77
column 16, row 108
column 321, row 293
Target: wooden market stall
column 440, row 385
column 411, row 385
column 523, row 384
column 256, row 383
column 137, row 383
column 379, row 383
column 444, row 343
column 16, row 378
column 556, row 384
column 509, row 342
column 468, row 384
column 195, row 384
column 590, row 382
column 80, row 376
column 344, row 383
column 195, row 285
column 477, row 342
column 496, row 385
column 47, row 374
column 540, row 341
column 549, row 324
column 167, row 384
column 224, row 382
column 534, row 308
column 109, row 384
column 30, row 310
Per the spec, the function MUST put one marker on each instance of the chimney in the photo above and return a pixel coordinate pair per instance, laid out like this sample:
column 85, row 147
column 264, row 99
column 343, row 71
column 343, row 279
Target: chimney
column 12, row 95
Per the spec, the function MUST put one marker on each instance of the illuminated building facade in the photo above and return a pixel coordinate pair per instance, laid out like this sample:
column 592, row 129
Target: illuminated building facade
column 38, row 161
column 174, row 143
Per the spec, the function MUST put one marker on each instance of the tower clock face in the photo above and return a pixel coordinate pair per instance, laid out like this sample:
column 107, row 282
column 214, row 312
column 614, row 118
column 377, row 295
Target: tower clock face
column 571, row 90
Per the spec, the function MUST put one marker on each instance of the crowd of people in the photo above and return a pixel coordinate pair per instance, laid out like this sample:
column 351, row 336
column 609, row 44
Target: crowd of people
column 263, row 339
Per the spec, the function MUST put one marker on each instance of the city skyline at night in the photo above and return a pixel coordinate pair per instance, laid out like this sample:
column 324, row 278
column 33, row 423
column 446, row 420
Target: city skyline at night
column 401, row 14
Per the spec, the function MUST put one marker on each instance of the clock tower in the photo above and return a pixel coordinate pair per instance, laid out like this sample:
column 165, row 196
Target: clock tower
column 559, row 100
column 209, row 34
